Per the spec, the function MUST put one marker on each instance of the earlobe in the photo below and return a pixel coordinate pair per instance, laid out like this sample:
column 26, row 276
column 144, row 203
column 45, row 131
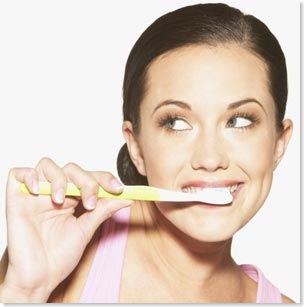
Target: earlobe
column 282, row 141
column 133, row 147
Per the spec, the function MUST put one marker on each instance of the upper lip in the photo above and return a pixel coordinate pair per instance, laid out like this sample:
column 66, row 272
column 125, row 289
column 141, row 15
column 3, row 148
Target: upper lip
column 210, row 184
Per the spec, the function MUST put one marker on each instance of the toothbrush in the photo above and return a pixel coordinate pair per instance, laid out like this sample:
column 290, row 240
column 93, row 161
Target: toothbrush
column 215, row 196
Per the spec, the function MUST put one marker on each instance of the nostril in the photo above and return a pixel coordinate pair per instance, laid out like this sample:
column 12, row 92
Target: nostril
column 209, row 152
column 210, row 164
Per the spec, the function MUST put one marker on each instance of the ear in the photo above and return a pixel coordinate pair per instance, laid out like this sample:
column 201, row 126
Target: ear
column 133, row 147
column 282, row 141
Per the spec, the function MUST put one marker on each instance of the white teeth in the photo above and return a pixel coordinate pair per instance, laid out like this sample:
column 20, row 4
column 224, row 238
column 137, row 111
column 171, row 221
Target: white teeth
column 231, row 189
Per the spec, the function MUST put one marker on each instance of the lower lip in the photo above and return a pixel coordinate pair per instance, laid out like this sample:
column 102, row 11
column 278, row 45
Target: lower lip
column 212, row 206
column 205, row 205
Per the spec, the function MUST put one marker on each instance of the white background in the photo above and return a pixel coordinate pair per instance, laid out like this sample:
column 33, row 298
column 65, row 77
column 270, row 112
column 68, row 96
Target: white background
column 61, row 71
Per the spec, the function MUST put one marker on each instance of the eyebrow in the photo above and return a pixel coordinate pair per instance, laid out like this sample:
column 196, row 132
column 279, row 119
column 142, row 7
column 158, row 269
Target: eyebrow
column 186, row 106
column 239, row 103
column 181, row 104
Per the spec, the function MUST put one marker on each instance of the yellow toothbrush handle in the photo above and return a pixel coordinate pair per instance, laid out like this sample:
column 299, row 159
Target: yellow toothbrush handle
column 129, row 192
column 135, row 193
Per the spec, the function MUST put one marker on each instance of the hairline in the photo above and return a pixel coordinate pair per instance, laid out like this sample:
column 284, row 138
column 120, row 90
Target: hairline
column 245, row 44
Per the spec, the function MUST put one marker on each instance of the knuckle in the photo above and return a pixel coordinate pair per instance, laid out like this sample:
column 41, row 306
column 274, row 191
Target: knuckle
column 107, row 174
column 104, row 178
column 45, row 161
column 31, row 171
column 27, row 172
column 71, row 166
column 103, row 174
column 12, row 172
column 61, row 180
column 91, row 187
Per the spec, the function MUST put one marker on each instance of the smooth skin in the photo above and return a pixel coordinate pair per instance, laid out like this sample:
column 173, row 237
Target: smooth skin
column 181, row 251
column 206, row 114
column 220, row 114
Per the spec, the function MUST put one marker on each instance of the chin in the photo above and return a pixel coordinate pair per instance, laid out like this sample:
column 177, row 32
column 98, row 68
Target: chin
column 206, row 231
column 203, row 224
column 212, row 236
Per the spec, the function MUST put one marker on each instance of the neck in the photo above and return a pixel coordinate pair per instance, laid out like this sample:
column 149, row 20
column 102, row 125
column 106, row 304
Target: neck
column 183, row 259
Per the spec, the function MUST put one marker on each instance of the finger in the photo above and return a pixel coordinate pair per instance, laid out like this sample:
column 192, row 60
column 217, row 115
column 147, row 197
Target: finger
column 16, row 199
column 91, row 220
column 49, row 170
column 108, row 182
column 28, row 176
column 85, row 182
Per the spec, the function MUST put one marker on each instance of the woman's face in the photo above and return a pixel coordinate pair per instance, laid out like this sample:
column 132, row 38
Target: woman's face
column 208, row 120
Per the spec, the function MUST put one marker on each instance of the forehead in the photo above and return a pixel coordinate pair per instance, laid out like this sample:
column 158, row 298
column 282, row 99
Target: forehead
column 211, row 74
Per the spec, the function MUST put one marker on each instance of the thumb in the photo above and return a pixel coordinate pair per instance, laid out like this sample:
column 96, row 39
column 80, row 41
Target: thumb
column 89, row 221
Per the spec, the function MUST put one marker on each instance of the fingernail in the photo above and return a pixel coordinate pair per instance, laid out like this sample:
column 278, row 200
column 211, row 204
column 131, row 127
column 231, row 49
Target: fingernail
column 59, row 197
column 35, row 187
column 116, row 184
column 91, row 203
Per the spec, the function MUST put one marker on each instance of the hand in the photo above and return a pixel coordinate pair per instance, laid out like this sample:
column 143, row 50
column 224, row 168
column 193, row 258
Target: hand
column 45, row 239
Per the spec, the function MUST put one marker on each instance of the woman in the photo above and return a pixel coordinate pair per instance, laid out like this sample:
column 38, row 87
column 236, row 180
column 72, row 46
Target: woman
column 205, row 89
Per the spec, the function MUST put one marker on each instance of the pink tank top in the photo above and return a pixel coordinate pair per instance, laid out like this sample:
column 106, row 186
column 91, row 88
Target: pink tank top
column 103, row 283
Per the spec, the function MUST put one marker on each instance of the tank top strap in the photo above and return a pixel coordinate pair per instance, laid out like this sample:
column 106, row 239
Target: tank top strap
column 103, row 283
column 267, row 292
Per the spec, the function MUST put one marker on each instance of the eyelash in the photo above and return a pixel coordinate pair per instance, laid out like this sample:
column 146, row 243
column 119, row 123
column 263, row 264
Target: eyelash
column 249, row 116
column 167, row 119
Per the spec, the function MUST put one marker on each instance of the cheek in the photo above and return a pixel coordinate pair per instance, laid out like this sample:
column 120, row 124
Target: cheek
column 164, row 159
column 254, row 149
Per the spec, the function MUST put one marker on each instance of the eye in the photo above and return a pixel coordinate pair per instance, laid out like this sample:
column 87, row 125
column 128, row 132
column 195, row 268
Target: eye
column 240, row 121
column 177, row 124
column 174, row 123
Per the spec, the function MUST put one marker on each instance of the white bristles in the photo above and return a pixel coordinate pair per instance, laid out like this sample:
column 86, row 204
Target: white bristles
column 216, row 196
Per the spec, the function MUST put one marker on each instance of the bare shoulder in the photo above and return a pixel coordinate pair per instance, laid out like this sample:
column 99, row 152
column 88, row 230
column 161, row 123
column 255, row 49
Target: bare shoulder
column 286, row 299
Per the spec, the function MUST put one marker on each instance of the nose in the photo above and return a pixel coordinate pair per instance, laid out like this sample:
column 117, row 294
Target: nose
column 210, row 153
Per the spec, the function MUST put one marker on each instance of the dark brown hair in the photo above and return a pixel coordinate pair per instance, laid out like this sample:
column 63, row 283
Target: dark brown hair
column 209, row 24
